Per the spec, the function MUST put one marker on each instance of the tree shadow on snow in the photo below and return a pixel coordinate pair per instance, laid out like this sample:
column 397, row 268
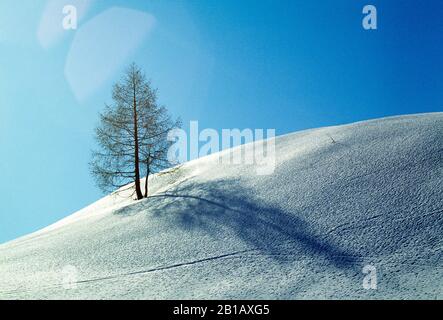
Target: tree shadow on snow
column 224, row 205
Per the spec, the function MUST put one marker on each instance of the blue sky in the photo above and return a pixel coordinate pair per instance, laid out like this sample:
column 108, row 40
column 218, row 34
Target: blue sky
column 288, row 65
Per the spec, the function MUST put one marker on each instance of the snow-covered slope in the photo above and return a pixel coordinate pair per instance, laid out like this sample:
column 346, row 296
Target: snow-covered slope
column 372, row 197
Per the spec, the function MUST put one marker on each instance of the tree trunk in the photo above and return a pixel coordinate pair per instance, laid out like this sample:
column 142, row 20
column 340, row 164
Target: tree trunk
column 148, row 172
column 147, row 176
column 138, row 190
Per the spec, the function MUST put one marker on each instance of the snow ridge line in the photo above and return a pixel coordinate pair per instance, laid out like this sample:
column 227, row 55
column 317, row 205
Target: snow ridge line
column 116, row 276
column 177, row 265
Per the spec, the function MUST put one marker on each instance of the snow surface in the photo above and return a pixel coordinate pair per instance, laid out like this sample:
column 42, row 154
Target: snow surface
column 372, row 197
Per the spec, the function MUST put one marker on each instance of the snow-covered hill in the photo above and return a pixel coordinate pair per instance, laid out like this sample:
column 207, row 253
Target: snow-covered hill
column 341, row 198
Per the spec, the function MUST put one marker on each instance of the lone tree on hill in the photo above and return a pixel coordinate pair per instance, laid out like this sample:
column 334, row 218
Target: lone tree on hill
column 131, row 135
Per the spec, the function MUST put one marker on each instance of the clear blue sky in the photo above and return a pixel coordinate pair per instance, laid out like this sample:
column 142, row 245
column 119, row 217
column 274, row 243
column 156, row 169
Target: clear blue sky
column 287, row 65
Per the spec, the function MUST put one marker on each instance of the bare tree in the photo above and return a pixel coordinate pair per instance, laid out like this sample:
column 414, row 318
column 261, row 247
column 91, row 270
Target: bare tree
column 132, row 135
